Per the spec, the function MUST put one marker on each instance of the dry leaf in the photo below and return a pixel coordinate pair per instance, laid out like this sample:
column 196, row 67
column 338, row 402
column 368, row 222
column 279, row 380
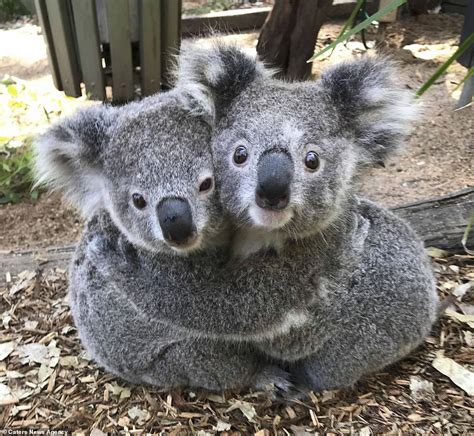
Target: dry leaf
column 437, row 253
column 97, row 432
column 461, row 290
column 246, row 408
column 139, row 415
column 459, row 375
column 365, row 431
column 6, row 319
column 300, row 431
column 14, row 374
column 31, row 325
column 468, row 319
column 468, row 338
column 421, row 389
column 44, row 372
column 415, row 417
column 66, row 361
column 115, row 389
column 5, row 349
column 37, row 353
column 6, row 395
column 222, row 426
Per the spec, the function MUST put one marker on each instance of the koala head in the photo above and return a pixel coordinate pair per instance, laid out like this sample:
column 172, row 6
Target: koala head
column 286, row 153
column 149, row 164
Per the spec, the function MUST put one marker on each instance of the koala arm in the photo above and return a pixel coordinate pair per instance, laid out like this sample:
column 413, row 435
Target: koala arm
column 259, row 297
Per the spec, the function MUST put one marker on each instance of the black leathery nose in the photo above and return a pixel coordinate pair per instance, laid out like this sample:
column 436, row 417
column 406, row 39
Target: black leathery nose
column 176, row 220
column 274, row 176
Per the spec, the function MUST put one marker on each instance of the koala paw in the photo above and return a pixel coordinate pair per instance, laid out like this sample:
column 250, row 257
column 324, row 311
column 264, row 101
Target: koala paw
column 273, row 378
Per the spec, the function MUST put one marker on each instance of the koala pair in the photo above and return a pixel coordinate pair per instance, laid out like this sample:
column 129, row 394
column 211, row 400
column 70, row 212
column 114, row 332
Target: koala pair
column 225, row 246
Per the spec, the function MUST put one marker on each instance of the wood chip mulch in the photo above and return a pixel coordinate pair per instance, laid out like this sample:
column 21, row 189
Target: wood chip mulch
column 48, row 382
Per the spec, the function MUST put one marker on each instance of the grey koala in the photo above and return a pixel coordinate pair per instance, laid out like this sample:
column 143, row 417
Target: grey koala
column 152, row 294
column 287, row 156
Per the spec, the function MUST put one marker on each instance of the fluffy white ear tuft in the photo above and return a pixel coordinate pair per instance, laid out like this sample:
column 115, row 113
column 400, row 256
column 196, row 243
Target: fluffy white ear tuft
column 69, row 157
column 371, row 104
column 223, row 69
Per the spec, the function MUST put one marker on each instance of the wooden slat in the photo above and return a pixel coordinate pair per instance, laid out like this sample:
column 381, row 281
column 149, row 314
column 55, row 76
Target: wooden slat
column 118, row 22
column 87, row 33
column 150, row 45
column 64, row 46
column 42, row 14
column 170, row 36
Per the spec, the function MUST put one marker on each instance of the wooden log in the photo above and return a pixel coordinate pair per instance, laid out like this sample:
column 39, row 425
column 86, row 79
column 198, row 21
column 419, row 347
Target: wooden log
column 440, row 222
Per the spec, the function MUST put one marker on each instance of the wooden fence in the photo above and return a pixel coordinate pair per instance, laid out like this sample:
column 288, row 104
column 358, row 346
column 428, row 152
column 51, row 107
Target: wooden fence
column 126, row 45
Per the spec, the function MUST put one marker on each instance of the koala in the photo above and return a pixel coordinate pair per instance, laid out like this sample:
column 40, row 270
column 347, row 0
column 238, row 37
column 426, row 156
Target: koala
column 287, row 156
column 152, row 295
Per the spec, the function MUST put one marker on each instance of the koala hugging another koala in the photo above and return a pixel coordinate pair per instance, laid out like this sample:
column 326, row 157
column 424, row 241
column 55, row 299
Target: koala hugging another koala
column 224, row 245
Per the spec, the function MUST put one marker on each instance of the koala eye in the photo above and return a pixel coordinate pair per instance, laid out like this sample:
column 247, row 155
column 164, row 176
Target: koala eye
column 138, row 201
column 312, row 160
column 240, row 155
column 206, row 185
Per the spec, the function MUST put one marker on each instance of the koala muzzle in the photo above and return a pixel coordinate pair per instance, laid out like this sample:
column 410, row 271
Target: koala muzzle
column 176, row 221
column 274, row 176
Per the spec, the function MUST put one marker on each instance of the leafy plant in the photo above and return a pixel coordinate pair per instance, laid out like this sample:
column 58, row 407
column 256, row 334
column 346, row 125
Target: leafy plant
column 10, row 9
column 363, row 25
column 345, row 34
column 23, row 115
column 442, row 69
column 211, row 6
column 16, row 172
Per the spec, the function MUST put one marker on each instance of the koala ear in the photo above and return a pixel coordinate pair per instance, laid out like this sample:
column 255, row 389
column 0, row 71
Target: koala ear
column 69, row 156
column 375, row 109
column 225, row 70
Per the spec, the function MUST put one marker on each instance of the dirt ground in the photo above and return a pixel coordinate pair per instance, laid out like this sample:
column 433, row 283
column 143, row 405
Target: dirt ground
column 437, row 160
column 47, row 381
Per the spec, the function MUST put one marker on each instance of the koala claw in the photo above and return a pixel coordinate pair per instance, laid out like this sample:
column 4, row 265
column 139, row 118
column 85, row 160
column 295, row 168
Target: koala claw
column 274, row 379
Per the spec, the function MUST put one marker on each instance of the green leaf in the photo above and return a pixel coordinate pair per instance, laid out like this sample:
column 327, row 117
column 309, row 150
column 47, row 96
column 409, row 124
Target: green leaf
column 469, row 73
column 34, row 195
column 12, row 90
column 441, row 70
column 389, row 8
column 350, row 20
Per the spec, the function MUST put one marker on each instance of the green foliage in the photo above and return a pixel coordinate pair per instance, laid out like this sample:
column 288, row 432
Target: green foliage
column 10, row 9
column 211, row 6
column 442, row 69
column 16, row 172
column 346, row 35
column 23, row 114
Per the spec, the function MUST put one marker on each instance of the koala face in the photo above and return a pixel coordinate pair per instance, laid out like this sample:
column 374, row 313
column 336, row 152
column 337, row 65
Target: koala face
column 286, row 153
column 281, row 164
column 149, row 164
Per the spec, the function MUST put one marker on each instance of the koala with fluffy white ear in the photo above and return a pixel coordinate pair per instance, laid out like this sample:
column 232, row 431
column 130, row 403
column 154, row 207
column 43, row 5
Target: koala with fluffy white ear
column 152, row 294
column 286, row 157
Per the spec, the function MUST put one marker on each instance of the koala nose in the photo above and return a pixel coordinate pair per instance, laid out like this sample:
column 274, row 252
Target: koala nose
column 274, row 176
column 176, row 221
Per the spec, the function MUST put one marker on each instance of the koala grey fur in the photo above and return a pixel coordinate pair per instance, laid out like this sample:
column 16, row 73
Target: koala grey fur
column 144, row 310
column 381, row 301
column 152, row 315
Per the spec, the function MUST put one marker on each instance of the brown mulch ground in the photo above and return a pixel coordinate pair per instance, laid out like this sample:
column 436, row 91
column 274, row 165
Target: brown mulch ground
column 47, row 381
column 438, row 158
